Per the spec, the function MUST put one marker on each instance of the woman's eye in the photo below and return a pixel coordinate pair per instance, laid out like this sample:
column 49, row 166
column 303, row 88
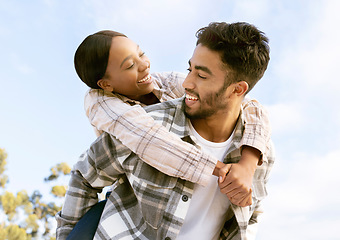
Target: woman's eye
column 189, row 69
column 130, row 66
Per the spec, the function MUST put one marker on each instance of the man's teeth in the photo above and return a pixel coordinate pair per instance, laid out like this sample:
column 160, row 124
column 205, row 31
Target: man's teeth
column 147, row 78
column 190, row 97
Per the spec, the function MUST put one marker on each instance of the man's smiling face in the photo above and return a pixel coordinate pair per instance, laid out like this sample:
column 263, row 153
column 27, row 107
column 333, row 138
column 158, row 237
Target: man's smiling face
column 207, row 85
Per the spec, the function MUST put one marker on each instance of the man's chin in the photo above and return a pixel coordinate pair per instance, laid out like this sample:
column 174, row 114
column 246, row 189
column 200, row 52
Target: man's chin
column 187, row 110
column 191, row 114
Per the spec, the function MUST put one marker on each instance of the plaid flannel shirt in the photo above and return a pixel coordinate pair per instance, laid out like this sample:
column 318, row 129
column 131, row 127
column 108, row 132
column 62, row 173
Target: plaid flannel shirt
column 113, row 113
column 145, row 203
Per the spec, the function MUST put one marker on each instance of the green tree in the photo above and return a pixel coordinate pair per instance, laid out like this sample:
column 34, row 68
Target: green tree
column 24, row 212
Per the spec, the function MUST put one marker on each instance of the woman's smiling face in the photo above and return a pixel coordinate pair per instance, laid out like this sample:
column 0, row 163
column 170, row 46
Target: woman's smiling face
column 128, row 70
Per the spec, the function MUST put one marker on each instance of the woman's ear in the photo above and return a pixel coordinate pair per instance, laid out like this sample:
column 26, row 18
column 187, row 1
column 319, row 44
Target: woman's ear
column 241, row 88
column 105, row 85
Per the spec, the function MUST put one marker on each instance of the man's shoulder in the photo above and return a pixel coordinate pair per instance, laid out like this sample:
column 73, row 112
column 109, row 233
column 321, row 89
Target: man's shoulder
column 170, row 114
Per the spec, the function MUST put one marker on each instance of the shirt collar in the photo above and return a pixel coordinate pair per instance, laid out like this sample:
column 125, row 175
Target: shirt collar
column 182, row 129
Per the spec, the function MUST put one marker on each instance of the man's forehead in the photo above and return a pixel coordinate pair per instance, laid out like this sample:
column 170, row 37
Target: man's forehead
column 203, row 57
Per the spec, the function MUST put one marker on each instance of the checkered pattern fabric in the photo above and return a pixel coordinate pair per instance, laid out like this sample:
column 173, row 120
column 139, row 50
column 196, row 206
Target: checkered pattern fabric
column 127, row 121
column 146, row 203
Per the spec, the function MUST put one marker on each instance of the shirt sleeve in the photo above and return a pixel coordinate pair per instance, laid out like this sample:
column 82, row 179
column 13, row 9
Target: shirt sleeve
column 152, row 142
column 96, row 169
column 257, row 126
column 169, row 84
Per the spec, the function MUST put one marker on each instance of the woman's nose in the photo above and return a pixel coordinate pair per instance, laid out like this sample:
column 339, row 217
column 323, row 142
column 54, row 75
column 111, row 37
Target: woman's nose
column 144, row 65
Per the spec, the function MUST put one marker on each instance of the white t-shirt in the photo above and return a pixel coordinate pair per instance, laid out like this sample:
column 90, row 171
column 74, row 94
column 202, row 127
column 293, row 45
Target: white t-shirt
column 208, row 206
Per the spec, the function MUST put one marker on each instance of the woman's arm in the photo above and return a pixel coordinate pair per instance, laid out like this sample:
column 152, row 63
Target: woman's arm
column 253, row 145
column 257, row 127
column 150, row 141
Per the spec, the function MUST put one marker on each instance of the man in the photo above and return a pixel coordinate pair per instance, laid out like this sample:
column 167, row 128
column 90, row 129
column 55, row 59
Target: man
column 146, row 204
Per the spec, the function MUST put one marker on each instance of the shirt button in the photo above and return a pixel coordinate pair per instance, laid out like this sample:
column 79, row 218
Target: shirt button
column 185, row 198
column 167, row 238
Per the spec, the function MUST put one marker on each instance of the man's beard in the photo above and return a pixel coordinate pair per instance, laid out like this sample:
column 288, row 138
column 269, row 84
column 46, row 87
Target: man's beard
column 199, row 114
column 213, row 102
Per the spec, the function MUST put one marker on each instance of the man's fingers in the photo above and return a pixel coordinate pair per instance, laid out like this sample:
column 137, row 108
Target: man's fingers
column 236, row 194
column 242, row 201
column 223, row 172
column 227, row 187
column 246, row 201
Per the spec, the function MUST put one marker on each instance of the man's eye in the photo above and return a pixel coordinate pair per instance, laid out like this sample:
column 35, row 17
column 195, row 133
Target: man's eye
column 142, row 54
column 201, row 76
column 189, row 69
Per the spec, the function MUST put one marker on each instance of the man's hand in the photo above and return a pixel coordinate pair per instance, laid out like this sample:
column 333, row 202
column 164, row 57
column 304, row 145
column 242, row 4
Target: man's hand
column 236, row 184
column 235, row 180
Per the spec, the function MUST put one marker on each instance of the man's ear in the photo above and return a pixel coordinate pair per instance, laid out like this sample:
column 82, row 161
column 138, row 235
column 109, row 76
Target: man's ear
column 105, row 85
column 241, row 88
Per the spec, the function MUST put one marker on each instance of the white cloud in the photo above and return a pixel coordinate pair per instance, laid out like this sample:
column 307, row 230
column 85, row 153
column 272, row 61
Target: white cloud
column 285, row 117
column 305, row 66
column 303, row 199
column 310, row 64
column 311, row 181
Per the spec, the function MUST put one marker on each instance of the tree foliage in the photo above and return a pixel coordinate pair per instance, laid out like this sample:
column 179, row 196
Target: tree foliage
column 3, row 177
column 26, row 215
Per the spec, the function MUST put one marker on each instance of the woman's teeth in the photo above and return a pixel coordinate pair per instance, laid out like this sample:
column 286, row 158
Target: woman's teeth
column 147, row 78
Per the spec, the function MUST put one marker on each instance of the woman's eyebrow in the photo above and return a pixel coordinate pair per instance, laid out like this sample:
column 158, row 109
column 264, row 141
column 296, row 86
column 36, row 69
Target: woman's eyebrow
column 127, row 58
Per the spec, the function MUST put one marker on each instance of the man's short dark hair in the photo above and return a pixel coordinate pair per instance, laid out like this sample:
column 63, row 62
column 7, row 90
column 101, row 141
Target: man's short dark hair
column 242, row 47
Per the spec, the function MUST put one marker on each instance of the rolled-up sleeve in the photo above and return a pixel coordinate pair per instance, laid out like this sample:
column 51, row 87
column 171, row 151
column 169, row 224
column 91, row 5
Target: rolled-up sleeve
column 257, row 126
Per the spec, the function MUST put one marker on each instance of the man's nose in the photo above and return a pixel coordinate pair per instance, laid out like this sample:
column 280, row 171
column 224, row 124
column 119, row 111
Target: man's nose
column 188, row 82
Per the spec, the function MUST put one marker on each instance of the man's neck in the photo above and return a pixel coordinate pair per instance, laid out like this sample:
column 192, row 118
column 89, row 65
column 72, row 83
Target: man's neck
column 217, row 128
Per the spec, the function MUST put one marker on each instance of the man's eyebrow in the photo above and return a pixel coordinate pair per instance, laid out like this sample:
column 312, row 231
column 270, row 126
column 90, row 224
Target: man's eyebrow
column 203, row 68
column 127, row 58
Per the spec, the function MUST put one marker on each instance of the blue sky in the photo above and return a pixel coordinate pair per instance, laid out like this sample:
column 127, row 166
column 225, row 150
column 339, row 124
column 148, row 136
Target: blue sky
column 42, row 121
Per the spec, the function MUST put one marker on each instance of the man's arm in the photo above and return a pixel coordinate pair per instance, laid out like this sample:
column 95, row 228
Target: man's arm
column 96, row 169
